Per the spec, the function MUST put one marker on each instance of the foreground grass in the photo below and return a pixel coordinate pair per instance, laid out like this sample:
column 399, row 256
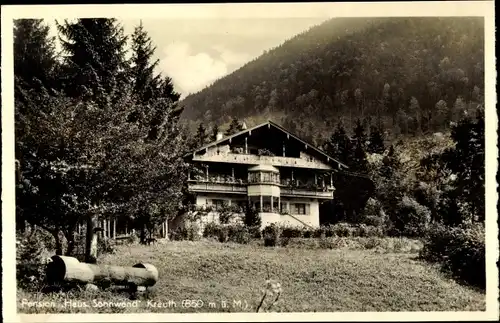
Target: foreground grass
column 320, row 280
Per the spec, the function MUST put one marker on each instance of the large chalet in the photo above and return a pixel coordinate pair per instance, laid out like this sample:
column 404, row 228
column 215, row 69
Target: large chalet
column 281, row 175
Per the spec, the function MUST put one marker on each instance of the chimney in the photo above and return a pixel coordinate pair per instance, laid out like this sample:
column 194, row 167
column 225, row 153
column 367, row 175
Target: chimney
column 219, row 136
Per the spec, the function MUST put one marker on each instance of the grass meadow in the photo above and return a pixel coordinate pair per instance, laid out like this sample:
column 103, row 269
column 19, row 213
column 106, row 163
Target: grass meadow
column 342, row 277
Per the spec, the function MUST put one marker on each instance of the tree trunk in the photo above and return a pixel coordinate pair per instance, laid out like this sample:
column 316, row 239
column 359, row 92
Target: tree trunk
column 59, row 248
column 70, row 237
column 143, row 233
column 91, row 239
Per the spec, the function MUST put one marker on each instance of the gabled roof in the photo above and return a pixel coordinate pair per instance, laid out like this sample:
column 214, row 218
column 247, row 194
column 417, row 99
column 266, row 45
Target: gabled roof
column 275, row 125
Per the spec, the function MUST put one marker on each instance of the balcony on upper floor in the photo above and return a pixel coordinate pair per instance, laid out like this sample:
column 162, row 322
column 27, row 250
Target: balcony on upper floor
column 221, row 186
column 279, row 161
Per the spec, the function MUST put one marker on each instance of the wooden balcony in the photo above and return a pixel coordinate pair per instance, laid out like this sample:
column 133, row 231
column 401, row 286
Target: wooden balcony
column 266, row 160
column 298, row 192
column 217, row 187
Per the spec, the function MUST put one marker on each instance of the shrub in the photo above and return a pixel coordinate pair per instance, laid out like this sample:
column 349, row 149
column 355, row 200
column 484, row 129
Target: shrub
column 255, row 232
column 238, row 234
column 460, row 250
column 211, row 230
column 291, row 232
column 223, row 234
column 411, row 219
column 271, row 235
column 308, row 233
column 364, row 230
column 190, row 231
column 31, row 259
column 252, row 217
column 374, row 220
column 343, row 230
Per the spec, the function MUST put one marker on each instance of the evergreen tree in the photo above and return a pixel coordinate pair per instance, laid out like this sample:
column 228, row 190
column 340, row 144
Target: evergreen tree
column 359, row 162
column 144, row 81
column 234, row 127
column 94, row 57
column 252, row 217
column 466, row 161
column 201, row 137
column 35, row 58
column 339, row 146
column 215, row 131
column 376, row 145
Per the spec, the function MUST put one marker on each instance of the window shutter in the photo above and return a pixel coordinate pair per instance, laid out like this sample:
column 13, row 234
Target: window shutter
column 307, row 208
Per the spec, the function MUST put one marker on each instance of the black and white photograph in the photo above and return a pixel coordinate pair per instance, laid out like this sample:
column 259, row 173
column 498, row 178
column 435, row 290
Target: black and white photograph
column 249, row 161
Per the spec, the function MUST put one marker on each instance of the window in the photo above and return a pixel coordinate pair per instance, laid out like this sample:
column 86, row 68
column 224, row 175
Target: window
column 300, row 208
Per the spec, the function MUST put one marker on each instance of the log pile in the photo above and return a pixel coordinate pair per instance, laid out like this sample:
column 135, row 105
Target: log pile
column 70, row 270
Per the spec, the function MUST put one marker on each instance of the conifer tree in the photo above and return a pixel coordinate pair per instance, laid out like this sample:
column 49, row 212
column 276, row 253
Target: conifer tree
column 35, row 58
column 95, row 61
column 376, row 142
column 215, row 131
column 201, row 137
column 234, row 127
column 339, row 146
column 142, row 71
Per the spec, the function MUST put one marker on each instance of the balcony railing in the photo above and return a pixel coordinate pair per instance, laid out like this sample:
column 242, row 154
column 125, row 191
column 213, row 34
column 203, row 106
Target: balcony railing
column 226, row 187
column 298, row 192
column 266, row 160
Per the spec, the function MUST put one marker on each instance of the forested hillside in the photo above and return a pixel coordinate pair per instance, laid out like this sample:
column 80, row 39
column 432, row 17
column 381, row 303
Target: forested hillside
column 413, row 75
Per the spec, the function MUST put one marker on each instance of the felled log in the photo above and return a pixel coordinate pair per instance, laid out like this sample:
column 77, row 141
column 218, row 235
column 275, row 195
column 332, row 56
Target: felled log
column 69, row 269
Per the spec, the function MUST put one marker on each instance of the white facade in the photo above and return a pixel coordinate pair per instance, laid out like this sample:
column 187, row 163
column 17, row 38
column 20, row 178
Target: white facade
column 281, row 176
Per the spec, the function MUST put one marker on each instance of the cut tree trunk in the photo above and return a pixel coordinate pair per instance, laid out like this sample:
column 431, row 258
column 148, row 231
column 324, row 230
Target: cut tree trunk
column 69, row 269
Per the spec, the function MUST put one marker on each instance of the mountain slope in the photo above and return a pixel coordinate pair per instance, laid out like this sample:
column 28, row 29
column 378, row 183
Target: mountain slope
column 413, row 74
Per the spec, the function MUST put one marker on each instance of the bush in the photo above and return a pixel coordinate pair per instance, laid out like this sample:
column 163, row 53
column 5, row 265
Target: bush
column 343, row 230
column 238, row 234
column 189, row 231
column 460, row 250
column 32, row 255
column 291, row 232
column 271, row 235
column 411, row 218
column 251, row 217
column 364, row 230
column 211, row 230
column 255, row 232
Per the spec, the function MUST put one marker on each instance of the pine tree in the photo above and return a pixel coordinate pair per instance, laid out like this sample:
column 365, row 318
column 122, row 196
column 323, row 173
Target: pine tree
column 234, row 127
column 467, row 162
column 95, row 57
column 359, row 162
column 339, row 146
column 201, row 137
column 376, row 142
column 215, row 132
column 34, row 53
column 144, row 81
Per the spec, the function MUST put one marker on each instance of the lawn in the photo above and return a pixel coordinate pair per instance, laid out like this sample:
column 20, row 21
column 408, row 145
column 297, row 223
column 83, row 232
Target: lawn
column 316, row 280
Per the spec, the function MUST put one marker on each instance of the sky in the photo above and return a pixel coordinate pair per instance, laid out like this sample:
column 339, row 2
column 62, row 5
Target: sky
column 195, row 52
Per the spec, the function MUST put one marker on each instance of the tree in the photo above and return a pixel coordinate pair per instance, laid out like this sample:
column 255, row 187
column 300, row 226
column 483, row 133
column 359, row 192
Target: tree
column 142, row 70
column 339, row 146
column 234, row 127
column 359, row 162
column 466, row 162
column 35, row 58
column 376, row 142
column 252, row 217
column 201, row 136
column 94, row 57
column 215, row 132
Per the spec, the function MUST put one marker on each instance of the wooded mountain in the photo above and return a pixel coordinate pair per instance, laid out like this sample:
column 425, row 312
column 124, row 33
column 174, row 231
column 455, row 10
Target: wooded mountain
column 413, row 75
